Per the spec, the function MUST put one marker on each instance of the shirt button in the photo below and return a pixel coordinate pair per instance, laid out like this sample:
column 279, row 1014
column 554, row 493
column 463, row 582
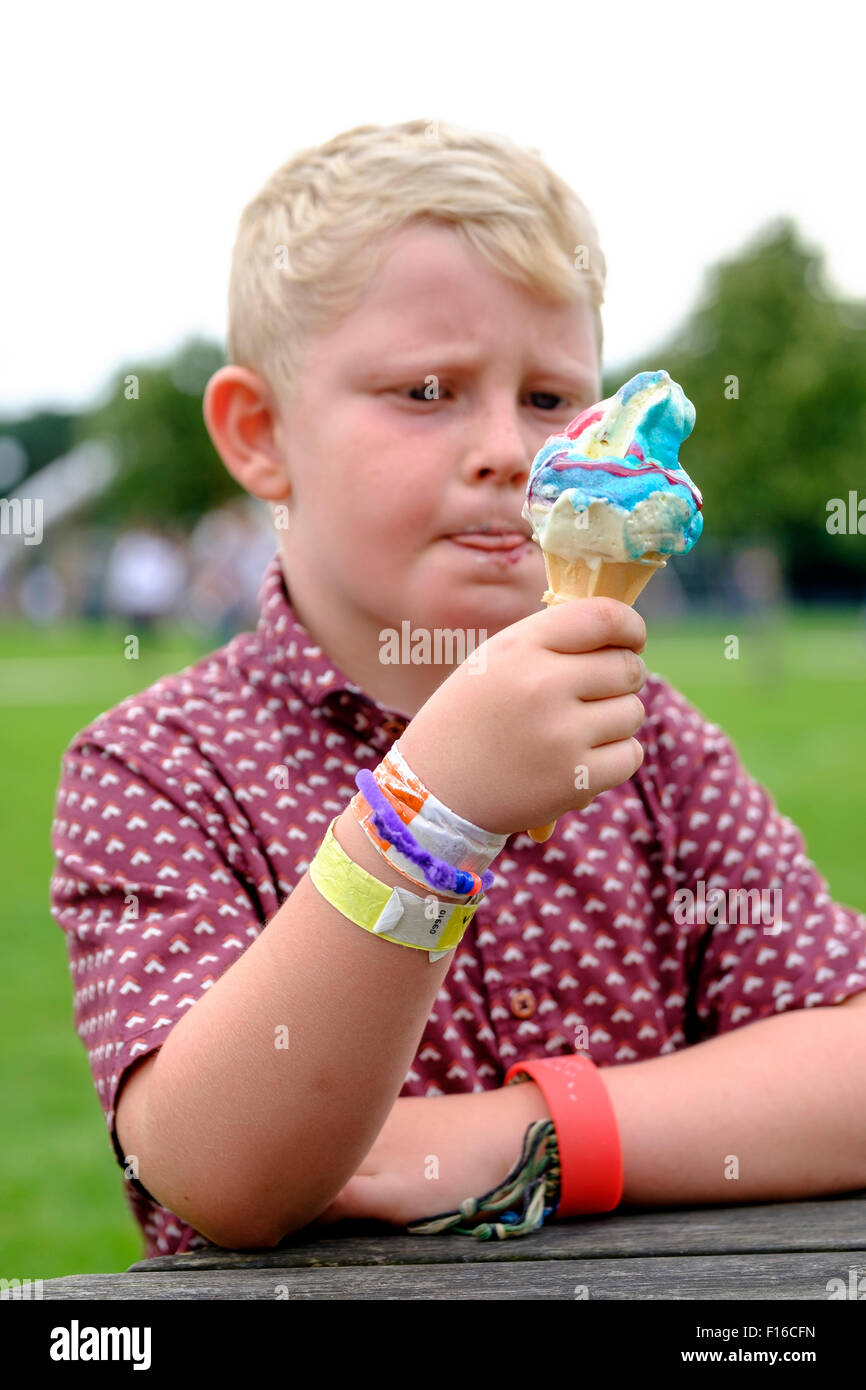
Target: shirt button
column 523, row 1003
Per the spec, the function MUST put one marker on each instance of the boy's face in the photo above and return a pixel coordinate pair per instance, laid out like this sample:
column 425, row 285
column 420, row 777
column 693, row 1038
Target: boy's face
column 381, row 476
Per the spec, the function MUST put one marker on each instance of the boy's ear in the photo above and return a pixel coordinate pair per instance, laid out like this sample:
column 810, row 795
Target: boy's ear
column 241, row 414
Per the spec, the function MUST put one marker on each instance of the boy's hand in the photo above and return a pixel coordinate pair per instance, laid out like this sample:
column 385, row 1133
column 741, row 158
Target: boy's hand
column 538, row 720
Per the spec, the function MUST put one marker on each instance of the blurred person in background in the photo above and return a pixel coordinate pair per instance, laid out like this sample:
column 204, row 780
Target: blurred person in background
column 757, row 575
column 146, row 577
column 94, row 556
column 41, row 595
column 229, row 551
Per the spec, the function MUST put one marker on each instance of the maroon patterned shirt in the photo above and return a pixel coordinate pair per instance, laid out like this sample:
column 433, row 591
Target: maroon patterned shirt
column 176, row 842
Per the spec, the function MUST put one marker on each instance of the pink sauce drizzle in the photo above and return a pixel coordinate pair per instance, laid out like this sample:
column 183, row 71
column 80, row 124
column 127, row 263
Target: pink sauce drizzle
column 580, row 422
column 619, row 470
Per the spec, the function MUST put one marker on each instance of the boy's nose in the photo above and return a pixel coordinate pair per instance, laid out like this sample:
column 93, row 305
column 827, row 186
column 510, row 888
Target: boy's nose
column 500, row 447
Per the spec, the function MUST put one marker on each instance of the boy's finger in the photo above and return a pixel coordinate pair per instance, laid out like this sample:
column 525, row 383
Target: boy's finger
column 612, row 764
column 585, row 624
column 609, row 721
column 612, row 671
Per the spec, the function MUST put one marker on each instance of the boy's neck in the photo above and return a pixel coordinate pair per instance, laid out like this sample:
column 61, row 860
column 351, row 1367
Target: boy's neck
column 355, row 647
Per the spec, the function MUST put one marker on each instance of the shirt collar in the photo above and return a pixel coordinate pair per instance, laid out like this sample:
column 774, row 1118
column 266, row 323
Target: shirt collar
column 295, row 659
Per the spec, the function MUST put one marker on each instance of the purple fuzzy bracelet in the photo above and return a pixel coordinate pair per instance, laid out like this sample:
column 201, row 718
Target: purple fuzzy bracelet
column 389, row 825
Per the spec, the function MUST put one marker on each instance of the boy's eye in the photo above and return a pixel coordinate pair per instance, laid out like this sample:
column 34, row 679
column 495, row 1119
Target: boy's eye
column 428, row 393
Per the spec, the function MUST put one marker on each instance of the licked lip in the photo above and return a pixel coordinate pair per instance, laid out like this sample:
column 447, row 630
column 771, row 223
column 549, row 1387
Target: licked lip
column 491, row 540
column 492, row 535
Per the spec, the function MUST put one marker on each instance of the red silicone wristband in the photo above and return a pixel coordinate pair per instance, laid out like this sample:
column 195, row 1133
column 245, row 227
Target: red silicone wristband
column 583, row 1116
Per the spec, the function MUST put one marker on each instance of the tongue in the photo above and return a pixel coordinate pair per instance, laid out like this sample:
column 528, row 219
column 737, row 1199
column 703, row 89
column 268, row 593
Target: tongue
column 507, row 541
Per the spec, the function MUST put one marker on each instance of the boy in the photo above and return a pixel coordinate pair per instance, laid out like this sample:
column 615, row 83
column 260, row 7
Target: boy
column 407, row 327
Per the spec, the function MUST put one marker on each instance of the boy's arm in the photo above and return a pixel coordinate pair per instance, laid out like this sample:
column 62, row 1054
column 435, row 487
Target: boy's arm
column 771, row 1112
column 248, row 1141
column 210, row 1113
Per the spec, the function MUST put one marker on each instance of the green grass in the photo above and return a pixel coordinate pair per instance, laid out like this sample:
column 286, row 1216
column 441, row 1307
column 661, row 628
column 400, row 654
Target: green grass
column 793, row 702
column 63, row 1210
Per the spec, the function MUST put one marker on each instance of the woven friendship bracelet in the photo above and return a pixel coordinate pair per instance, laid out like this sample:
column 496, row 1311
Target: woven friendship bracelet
column 533, row 1182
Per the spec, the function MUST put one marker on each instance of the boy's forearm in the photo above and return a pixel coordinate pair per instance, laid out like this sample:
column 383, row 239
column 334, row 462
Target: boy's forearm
column 773, row 1111
column 248, row 1139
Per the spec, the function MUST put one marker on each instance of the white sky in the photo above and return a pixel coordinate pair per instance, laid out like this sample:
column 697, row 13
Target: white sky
column 134, row 135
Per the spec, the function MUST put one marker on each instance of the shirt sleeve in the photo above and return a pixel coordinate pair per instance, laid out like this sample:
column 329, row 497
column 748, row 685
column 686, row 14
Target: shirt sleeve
column 765, row 934
column 145, row 891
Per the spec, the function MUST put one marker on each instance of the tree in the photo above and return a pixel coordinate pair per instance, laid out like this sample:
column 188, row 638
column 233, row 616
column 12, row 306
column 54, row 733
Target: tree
column 776, row 368
column 152, row 418
column 43, row 435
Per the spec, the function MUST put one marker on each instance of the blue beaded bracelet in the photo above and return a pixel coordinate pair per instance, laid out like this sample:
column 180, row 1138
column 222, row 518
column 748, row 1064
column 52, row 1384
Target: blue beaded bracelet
column 437, row 872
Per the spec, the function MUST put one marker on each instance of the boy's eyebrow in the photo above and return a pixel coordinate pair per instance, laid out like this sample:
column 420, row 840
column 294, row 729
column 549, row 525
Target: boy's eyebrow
column 453, row 356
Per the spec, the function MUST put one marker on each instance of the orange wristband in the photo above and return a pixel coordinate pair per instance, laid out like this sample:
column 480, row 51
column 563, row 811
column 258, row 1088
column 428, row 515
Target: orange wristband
column 587, row 1133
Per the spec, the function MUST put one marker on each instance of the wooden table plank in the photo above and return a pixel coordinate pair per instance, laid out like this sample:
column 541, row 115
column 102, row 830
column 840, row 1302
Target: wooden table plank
column 828, row 1223
column 748, row 1277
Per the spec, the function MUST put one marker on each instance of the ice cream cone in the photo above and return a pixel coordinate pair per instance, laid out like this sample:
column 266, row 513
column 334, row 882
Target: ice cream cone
column 570, row 579
column 624, row 580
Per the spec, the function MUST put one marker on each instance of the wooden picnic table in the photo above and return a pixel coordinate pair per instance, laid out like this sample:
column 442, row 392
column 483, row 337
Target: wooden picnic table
column 773, row 1250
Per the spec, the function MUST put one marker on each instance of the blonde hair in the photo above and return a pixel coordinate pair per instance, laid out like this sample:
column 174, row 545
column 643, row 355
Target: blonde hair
column 309, row 242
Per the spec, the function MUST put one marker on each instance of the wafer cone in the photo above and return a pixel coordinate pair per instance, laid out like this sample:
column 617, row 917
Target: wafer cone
column 624, row 580
column 569, row 579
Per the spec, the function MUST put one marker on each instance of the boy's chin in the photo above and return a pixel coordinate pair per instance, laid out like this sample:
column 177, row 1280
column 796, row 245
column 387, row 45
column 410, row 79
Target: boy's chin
column 496, row 588
column 485, row 606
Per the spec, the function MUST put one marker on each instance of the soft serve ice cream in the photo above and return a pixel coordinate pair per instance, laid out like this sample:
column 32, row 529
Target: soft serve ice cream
column 611, row 487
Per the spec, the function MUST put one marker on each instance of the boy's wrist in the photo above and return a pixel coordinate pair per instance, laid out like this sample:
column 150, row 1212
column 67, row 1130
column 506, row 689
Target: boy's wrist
column 498, row 1128
column 524, row 1103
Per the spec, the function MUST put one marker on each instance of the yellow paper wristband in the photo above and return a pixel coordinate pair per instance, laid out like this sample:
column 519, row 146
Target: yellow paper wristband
column 427, row 924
